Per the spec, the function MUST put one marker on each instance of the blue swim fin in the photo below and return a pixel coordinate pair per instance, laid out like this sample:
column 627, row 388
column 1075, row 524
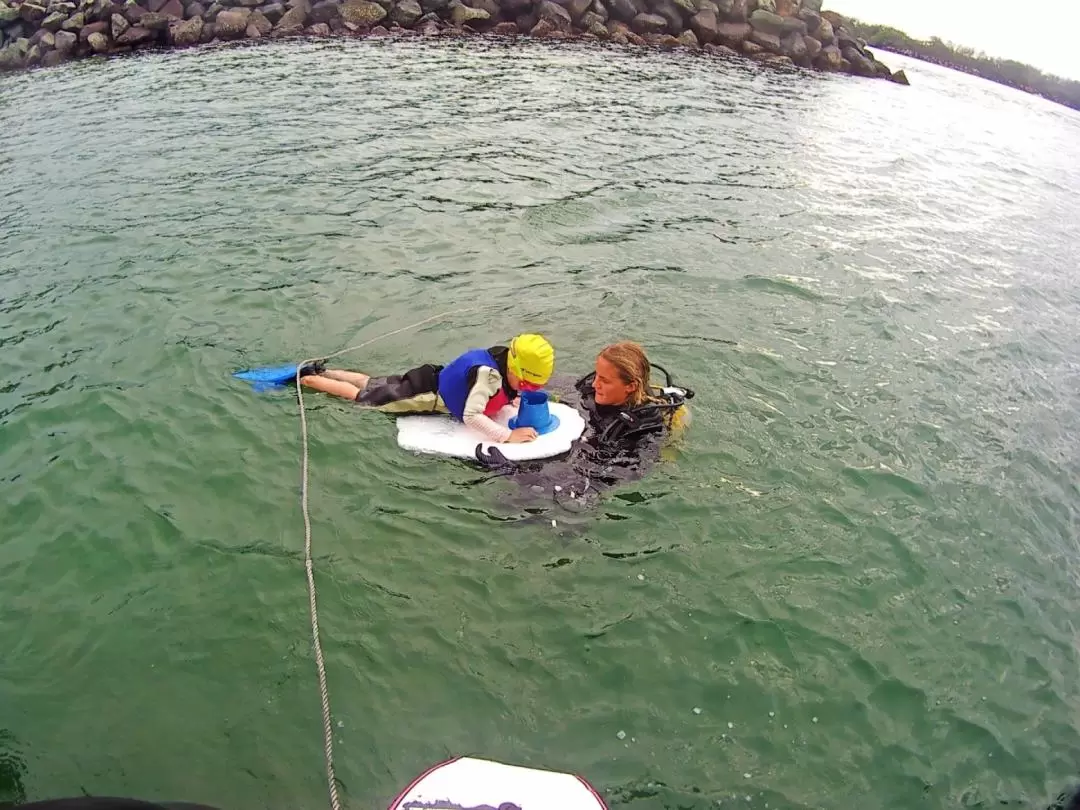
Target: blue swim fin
column 268, row 377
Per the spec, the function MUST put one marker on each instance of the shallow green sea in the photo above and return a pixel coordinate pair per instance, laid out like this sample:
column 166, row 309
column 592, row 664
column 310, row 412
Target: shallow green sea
column 862, row 564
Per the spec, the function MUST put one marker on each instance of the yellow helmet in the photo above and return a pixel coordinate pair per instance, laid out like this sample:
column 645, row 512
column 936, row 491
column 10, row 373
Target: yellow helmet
column 531, row 358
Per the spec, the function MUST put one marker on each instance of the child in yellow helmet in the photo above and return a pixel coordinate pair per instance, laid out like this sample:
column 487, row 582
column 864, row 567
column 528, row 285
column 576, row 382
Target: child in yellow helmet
column 473, row 387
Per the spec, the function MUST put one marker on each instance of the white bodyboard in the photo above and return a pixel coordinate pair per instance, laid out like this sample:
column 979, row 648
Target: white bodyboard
column 480, row 784
column 440, row 434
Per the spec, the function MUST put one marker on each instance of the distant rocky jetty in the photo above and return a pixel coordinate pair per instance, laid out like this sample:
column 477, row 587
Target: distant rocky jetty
column 779, row 32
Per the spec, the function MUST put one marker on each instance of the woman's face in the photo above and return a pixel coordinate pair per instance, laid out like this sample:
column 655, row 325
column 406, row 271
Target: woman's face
column 608, row 386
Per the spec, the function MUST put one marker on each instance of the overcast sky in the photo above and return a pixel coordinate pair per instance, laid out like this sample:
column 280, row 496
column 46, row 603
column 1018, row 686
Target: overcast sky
column 1000, row 27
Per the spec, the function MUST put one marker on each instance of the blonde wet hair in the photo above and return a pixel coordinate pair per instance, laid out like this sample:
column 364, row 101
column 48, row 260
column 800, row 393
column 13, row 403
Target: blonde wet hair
column 633, row 366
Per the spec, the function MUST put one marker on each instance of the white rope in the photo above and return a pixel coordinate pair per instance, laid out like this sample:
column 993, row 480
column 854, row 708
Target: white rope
column 320, row 664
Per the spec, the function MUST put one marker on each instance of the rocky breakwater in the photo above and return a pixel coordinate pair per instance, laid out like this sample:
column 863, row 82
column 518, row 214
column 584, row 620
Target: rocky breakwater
column 779, row 32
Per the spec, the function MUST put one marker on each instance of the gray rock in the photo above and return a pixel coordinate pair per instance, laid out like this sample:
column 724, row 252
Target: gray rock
column 792, row 25
column 135, row 35
column 794, row 47
column 33, row 56
column 230, row 25
column 53, row 21
column 825, row 34
column 433, row 6
column 173, row 9
column 689, row 40
column 769, row 42
column 733, row 35
column 260, row 23
column 32, row 13
column 830, row 58
column 207, row 33
column 133, row 12
column 52, row 59
column 706, row 25
column 154, row 22
column 811, row 18
column 273, row 12
column 291, row 21
column 813, row 48
column 194, row 10
column 461, row 15
column 767, row 23
column 589, row 18
column 763, row 5
column 406, row 13
column 119, row 26
column 624, row 10
column 74, row 22
column 490, row 6
column 363, row 13
column 900, row 78
column 7, row 13
column 99, row 27
column 812, row 5
column 66, row 41
column 860, row 65
column 215, row 9
column 99, row 43
column 47, row 41
column 649, row 24
column 324, row 11
column 751, row 48
column 506, row 29
column 720, row 50
column 577, row 8
column 186, row 33
column 555, row 14
column 600, row 10
column 671, row 13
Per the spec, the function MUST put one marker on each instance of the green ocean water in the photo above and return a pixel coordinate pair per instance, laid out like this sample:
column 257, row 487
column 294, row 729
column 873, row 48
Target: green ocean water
column 861, row 564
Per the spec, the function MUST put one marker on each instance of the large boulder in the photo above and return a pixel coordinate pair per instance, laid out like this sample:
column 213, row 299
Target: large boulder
column 173, row 9
column 273, row 12
column 135, row 35
column 860, row 65
column 98, row 42
column 763, row 5
column 811, row 18
column 649, row 24
column 767, row 22
column 825, row 33
column 53, row 21
column 187, row 33
column 624, row 10
column 577, row 8
column 706, row 25
column 670, row 12
column 362, row 12
column 689, row 40
column 8, row 14
column 740, row 11
column 837, row 20
column 792, row 25
column 787, row 8
column 751, row 48
column 32, row 13
column 490, row 6
column 133, row 12
column 433, row 6
column 769, row 42
column 119, row 25
column 813, row 48
column 406, row 13
column 230, row 25
column 154, row 22
column 94, row 28
column 812, row 5
column 66, row 41
column 74, row 22
column 556, row 15
column 324, row 11
column 733, row 35
column 258, row 21
column 461, row 15
column 291, row 22
column 794, row 47
column 830, row 58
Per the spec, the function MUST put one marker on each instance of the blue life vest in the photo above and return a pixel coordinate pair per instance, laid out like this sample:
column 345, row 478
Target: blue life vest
column 454, row 379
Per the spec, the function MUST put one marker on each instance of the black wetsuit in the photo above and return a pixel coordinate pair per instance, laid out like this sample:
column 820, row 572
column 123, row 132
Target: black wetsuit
column 619, row 445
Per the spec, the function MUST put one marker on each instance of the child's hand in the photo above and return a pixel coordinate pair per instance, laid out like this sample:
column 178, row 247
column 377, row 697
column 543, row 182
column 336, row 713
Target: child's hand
column 521, row 435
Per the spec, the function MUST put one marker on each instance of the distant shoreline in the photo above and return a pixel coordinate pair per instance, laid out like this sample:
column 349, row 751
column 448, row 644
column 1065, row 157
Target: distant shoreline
column 1001, row 71
column 781, row 33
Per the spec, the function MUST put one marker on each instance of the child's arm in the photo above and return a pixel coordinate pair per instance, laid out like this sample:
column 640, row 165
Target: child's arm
column 488, row 382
